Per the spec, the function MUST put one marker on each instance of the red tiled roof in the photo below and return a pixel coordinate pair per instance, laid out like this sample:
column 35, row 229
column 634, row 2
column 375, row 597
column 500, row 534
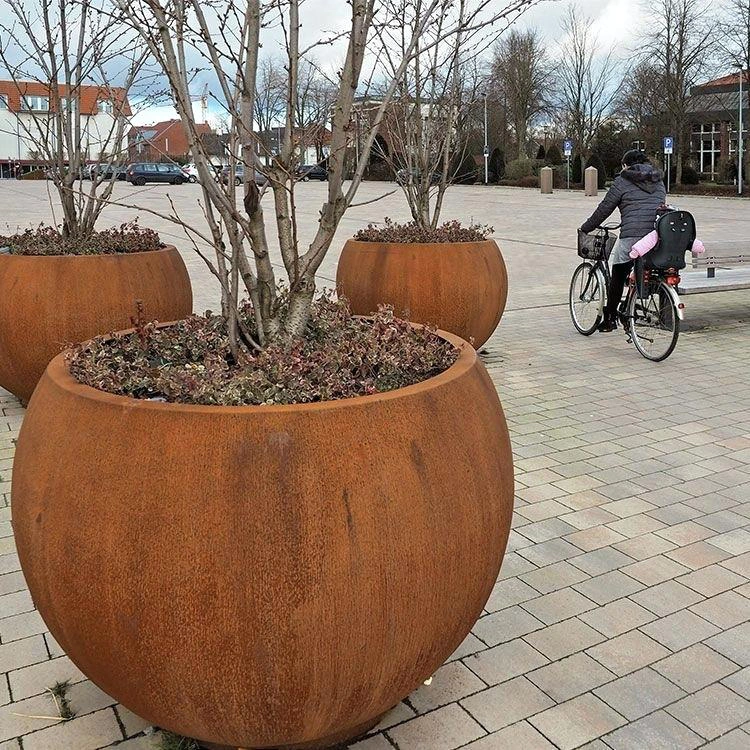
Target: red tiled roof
column 733, row 79
column 160, row 128
column 89, row 96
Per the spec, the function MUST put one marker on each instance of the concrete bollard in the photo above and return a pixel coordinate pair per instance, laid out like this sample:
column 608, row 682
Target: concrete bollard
column 546, row 179
column 591, row 181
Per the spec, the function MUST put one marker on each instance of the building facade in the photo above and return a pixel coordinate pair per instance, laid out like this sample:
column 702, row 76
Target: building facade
column 714, row 125
column 163, row 141
column 27, row 123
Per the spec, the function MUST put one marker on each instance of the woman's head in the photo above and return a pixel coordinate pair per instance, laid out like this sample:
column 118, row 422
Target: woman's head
column 633, row 157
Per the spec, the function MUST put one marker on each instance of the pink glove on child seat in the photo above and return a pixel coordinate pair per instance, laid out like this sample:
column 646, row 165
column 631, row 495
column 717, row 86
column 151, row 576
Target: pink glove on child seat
column 648, row 243
column 644, row 245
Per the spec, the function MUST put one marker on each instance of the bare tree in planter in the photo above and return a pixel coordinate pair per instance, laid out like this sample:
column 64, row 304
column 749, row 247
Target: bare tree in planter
column 439, row 93
column 586, row 81
column 227, row 37
column 55, row 53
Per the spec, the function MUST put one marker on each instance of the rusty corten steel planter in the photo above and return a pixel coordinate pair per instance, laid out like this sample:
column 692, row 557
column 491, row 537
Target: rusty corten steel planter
column 459, row 287
column 50, row 302
column 263, row 576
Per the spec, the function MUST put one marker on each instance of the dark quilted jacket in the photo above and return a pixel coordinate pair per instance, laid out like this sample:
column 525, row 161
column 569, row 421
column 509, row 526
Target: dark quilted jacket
column 638, row 192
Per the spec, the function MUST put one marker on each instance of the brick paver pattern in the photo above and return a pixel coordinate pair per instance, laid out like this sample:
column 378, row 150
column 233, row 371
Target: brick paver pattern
column 621, row 617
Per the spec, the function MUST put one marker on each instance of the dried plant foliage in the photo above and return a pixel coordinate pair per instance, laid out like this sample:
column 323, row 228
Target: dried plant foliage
column 191, row 362
column 127, row 238
column 449, row 232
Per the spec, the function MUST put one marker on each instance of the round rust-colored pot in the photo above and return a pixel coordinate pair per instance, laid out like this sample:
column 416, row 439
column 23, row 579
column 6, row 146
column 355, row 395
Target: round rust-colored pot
column 459, row 287
column 50, row 302
column 263, row 576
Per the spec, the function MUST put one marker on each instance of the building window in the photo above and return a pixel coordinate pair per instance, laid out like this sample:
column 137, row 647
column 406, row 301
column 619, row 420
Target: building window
column 35, row 103
column 707, row 147
column 105, row 107
column 3, row 101
column 64, row 104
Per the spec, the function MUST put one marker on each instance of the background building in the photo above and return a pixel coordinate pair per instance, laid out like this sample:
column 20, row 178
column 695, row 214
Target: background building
column 713, row 110
column 164, row 141
column 26, row 125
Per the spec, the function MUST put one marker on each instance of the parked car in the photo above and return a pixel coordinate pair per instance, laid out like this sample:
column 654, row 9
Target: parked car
column 140, row 174
column 239, row 176
column 192, row 172
column 307, row 172
column 51, row 172
column 405, row 177
column 105, row 171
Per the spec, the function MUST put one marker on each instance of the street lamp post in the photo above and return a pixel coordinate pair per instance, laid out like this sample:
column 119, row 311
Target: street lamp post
column 486, row 145
column 740, row 149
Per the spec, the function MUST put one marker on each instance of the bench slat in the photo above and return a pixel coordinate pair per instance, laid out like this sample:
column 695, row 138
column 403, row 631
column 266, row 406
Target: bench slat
column 727, row 280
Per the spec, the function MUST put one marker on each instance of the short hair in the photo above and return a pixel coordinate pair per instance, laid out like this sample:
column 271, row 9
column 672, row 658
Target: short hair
column 634, row 156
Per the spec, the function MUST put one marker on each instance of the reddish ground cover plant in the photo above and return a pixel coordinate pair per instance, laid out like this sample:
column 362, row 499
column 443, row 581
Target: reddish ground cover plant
column 450, row 231
column 341, row 356
column 127, row 238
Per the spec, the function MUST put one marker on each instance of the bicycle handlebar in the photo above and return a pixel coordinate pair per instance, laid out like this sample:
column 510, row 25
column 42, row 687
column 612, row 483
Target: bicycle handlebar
column 609, row 227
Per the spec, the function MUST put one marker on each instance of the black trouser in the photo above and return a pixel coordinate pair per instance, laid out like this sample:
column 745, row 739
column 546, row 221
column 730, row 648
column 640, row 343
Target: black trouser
column 620, row 273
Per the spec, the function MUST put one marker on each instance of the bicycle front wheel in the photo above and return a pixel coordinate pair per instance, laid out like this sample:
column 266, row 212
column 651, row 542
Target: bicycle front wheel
column 586, row 299
column 654, row 323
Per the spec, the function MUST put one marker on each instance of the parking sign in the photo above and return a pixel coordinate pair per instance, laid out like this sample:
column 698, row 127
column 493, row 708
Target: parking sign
column 567, row 147
column 669, row 145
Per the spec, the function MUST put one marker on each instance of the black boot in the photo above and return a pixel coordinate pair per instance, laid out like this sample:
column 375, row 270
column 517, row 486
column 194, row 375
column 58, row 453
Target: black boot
column 608, row 324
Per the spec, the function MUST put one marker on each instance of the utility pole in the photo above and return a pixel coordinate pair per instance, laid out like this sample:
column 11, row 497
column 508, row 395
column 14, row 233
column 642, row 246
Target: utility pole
column 486, row 145
column 740, row 145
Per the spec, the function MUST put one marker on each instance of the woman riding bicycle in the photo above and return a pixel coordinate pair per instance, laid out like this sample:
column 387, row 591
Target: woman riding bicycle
column 638, row 191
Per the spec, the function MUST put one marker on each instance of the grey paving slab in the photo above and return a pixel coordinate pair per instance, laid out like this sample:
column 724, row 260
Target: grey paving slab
column 695, row 667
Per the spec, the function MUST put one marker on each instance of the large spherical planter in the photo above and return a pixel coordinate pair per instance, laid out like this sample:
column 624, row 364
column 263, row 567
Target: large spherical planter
column 263, row 577
column 459, row 287
column 50, row 302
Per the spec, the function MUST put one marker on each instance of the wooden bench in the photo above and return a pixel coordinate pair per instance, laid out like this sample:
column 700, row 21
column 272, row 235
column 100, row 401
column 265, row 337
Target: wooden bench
column 732, row 263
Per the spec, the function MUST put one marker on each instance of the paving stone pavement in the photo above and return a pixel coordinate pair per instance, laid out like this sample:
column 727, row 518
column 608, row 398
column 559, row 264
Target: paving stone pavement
column 621, row 617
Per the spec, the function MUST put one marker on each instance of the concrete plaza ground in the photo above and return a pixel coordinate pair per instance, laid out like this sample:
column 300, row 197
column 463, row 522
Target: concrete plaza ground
column 621, row 618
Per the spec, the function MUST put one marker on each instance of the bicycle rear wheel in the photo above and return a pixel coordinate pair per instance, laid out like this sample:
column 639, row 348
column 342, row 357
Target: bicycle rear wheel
column 586, row 300
column 654, row 323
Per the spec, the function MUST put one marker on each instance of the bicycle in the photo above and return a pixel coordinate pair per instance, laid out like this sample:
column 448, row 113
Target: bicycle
column 651, row 311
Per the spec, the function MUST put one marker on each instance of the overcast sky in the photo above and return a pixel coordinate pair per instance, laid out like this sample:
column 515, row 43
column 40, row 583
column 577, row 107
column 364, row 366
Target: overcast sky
column 616, row 23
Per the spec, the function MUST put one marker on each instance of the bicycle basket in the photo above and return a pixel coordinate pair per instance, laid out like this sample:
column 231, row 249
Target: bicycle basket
column 595, row 246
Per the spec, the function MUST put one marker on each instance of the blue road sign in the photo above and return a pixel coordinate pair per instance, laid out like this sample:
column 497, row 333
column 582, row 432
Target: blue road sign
column 567, row 147
column 669, row 145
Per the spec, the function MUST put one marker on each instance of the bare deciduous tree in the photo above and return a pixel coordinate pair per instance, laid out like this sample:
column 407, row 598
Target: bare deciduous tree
column 429, row 126
column 586, row 81
column 522, row 77
column 227, row 37
column 58, row 51
column 680, row 41
column 735, row 43
column 270, row 96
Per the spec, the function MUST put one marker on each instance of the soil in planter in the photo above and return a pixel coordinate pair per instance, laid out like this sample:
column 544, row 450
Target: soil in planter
column 127, row 238
column 341, row 356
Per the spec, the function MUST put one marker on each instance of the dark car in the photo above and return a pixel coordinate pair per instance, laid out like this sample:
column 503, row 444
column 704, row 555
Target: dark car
column 140, row 174
column 312, row 172
column 106, row 172
column 239, row 175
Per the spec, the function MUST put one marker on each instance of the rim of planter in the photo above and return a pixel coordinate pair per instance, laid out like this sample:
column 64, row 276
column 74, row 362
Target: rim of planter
column 431, row 245
column 66, row 256
column 58, row 372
